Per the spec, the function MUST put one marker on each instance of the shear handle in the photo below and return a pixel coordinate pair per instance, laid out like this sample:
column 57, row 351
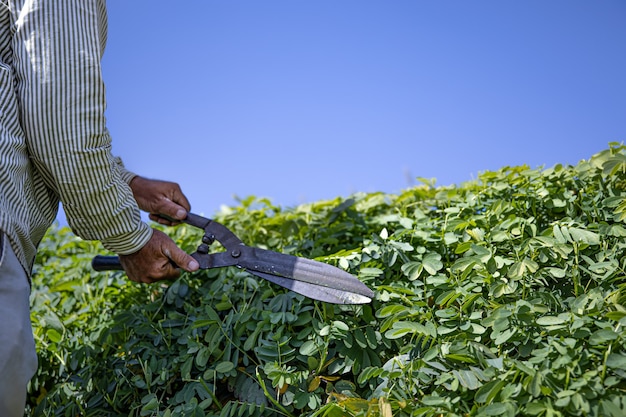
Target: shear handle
column 213, row 230
column 196, row 220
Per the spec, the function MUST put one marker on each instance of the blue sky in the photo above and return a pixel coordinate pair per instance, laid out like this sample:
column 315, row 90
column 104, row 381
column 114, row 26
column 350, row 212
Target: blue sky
column 301, row 101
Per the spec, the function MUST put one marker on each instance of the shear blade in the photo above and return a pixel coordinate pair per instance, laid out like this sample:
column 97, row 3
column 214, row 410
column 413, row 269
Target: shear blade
column 311, row 278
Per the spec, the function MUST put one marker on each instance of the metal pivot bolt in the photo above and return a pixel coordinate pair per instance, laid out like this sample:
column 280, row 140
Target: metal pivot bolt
column 235, row 253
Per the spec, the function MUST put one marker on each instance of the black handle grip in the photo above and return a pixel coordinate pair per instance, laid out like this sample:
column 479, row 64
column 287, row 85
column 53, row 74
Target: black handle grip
column 106, row 263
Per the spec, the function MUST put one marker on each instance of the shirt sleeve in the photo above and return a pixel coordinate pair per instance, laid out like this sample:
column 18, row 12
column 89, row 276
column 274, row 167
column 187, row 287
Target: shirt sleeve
column 125, row 174
column 58, row 47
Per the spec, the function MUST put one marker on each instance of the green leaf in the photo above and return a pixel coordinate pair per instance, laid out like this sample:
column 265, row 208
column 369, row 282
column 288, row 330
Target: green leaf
column 616, row 315
column 202, row 323
column 412, row 270
column 602, row 336
column 53, row 321
column 401, row 246
column 150, row 407
column 432, row 263
column 467, row 379
column 495, row 409
column 202, row 357
column 340, row 325
column 504, row 336
column 536, row 408
column 396, row 333
column 560, row 234
column 584, row 236
column 401, row 328
column 463, row 247
column 516, row 270
column 550, row 321
column 488, row 392
column 519, row 269
column 616, row 361
column 370, row 272
column 53, row 335
column 614, row 165
column 556, row 272
column 224, row 367
column 390, row 310
column 308, row 348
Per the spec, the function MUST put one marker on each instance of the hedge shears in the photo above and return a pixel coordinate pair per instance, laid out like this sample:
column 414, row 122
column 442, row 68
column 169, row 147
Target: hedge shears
column 312, row 279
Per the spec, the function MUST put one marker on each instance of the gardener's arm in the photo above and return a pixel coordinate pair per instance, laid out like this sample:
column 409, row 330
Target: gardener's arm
column 58, row 48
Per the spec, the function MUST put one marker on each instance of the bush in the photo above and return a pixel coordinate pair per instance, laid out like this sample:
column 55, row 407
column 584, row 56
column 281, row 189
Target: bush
column 501, row 296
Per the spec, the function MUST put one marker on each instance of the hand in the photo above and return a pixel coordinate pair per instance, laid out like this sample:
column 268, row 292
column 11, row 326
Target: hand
column 159, row 259
column 160, row 198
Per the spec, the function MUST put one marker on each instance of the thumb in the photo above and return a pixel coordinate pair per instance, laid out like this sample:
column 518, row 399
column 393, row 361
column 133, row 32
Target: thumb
column 172, row 210
column 182, row 259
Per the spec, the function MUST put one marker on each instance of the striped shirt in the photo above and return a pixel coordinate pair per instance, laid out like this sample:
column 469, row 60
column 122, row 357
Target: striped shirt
column 54, row 144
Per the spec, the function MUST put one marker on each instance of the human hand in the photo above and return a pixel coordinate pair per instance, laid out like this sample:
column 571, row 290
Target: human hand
column 159, row 259
column 160, row 198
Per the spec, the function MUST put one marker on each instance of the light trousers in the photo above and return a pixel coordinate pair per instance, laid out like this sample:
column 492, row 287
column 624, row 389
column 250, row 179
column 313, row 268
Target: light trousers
column 18, row 358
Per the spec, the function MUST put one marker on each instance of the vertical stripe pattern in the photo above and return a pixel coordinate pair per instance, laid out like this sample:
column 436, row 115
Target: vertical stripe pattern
column 54, row 144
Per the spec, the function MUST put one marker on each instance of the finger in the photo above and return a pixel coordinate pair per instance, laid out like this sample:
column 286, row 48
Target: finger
column 162, row 220
column 169, row 272
column 166, row 271
column 179, row 198
column 141, row 276
column 147, row 274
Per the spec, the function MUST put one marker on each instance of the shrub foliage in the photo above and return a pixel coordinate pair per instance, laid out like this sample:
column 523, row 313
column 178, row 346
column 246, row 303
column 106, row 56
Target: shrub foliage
column 501, row 296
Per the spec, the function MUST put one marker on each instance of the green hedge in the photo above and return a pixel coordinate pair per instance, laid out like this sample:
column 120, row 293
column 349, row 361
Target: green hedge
column 500, row 296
